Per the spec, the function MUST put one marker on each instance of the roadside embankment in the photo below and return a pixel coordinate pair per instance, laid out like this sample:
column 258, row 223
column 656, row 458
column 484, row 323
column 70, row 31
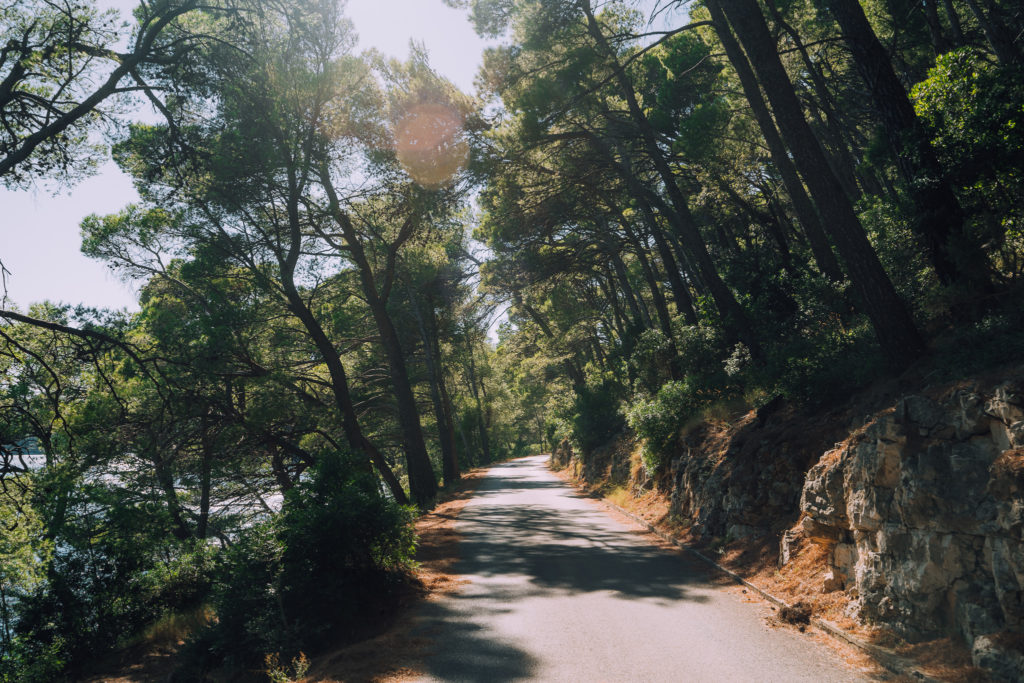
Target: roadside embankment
column 902, row 520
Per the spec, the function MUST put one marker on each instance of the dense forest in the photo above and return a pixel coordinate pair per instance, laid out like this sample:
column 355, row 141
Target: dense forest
column 790, row 198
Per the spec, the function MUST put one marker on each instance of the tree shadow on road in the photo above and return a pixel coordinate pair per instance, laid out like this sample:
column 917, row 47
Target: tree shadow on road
column 572, row 556
column 463, row 650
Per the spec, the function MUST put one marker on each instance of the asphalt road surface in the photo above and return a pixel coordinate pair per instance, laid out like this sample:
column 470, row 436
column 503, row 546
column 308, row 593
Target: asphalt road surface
column 558, row 590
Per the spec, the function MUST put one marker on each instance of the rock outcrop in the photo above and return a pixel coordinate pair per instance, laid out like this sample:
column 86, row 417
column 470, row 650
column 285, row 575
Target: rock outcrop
column 746, row 479
column 923, row 513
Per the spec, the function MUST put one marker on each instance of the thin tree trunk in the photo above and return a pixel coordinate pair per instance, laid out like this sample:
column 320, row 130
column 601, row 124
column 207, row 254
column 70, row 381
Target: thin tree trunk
column 205, row 468
column 428, row 333
column 995, row 32
column 766, row 220
column 931, row 17
column 422, row 481
column 680, row 292
column 165, row 480
column 660, row 307
column 357, row 441
column 640, row 315
column 836, row 150
column 954, row 23
column 617, row 313
column 448, row 411
column 485, row 440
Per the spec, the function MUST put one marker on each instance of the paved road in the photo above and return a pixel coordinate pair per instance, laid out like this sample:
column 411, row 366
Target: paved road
column 560, row 591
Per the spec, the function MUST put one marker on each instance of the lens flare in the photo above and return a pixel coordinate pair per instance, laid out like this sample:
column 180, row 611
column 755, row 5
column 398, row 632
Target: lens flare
column 429, row 144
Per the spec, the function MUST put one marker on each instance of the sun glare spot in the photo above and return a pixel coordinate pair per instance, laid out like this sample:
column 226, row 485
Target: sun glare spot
column 429, row 144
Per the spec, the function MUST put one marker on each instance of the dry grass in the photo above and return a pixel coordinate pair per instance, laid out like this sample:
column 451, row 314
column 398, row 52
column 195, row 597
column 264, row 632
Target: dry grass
column 174, row 628
column 946, row 659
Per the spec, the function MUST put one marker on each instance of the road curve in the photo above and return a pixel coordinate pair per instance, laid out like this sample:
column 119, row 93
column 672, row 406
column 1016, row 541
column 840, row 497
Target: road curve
column 559, row 591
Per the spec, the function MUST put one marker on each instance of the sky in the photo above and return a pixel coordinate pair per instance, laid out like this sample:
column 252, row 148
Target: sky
column 39, row 235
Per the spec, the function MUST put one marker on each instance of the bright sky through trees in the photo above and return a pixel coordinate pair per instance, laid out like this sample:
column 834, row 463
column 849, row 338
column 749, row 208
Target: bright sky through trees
column 39, row 239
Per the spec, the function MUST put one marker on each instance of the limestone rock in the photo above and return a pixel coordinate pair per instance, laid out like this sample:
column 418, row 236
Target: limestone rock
column 924, row 514
column 1003, row 661
column 833, row 582
column 788, row 545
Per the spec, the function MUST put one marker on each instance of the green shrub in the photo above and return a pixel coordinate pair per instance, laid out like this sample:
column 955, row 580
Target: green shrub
column 112, row 574
column 650, row 361
column 657, row 421
column 596, row 417
column 702, row 355
column 974, row 111
column 336, row 553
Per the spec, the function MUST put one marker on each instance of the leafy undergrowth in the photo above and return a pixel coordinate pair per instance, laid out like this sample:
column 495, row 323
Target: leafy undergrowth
column 385, row 650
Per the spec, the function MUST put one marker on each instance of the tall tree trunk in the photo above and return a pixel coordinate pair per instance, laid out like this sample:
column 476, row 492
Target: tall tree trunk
column 766, row 220
column 641, row 317
column 165, row 480
column 660, row 307
column 617, row 313
column 954, row 23
column 422, row 481
column 466, row 449
column 684, row 260
column 931, row 17
column 357, row 441
column 448, row 411
column 485, row 439
column 891, row 320
column 680, row 292
column 205, row 467
column 939, row 218
column 837, row 151
column 445, row 435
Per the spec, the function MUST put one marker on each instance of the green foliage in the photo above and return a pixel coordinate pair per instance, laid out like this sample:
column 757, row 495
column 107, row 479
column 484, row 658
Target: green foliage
column 985, row 344
column 900, row 252
column 28, row 661
column 343, row 540
column 112, row 574
column 596, row 416
column 25, row 551
column 336, row 553
column 976, row 113
column 657, row 420
column 702, row 352
column 825, row 362
column 650, row 362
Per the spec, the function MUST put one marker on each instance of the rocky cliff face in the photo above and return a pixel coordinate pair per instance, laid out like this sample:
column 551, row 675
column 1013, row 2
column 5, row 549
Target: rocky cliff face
column 745, row 478
column 923, row 514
